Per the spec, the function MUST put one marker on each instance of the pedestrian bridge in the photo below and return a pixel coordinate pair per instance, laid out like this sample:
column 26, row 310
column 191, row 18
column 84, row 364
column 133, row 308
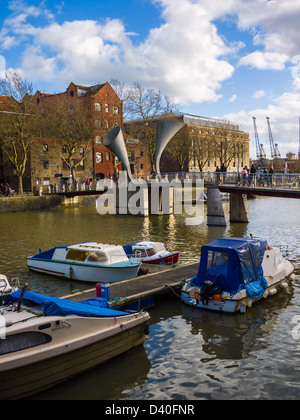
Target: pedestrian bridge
column 236, row 184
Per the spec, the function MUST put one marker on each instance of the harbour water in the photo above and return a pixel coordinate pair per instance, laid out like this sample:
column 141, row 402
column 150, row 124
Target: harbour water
column 189, row 354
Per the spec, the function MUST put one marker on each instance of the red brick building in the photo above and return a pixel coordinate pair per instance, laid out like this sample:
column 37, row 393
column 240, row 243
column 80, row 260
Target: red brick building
column 108, row 113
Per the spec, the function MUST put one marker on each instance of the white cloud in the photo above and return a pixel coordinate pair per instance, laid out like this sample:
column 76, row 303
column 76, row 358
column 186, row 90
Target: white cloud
column 233, row 98
column 264, row 61
column 259, row 94
column 284, row 118
column 184, row 61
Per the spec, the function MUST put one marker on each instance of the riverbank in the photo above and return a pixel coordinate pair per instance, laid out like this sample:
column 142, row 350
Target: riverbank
column 44, row 202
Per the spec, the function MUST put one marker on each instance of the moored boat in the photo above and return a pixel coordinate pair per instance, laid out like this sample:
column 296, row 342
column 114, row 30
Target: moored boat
column 46, row 340
column 149, row 252
column 234, row 273
column 91, row 262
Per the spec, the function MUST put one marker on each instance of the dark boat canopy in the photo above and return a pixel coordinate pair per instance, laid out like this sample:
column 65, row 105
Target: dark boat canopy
column 233, row 264
column 96, row 307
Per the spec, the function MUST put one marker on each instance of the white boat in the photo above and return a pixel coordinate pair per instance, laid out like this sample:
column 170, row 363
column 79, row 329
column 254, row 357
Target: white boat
column 234, row 273
column 6, row 288
column 47, row 340
column 149, row 252
column 91, row 262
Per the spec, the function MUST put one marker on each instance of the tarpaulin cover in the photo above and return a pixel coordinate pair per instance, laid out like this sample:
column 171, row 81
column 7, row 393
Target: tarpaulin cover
column 234, row 263
column 97, row 307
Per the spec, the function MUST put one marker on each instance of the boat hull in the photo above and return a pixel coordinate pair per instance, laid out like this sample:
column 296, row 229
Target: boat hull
column 233, row 305
column 81, row 272
column 28, row 380
column 169, row 259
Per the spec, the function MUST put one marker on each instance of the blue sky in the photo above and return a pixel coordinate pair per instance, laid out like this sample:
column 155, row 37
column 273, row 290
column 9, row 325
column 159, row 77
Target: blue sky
column 230, row 59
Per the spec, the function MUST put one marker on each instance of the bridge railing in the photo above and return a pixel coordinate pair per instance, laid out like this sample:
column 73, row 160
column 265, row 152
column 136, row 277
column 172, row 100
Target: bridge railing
column 259, row 180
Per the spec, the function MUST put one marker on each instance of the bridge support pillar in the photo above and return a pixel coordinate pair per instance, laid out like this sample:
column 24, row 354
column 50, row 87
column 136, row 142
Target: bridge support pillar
column 215, row 212
column 238, row 213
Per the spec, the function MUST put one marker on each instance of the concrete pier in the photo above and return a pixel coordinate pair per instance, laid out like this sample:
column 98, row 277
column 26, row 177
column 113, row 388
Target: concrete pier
column 238, row 213
column 215, row 212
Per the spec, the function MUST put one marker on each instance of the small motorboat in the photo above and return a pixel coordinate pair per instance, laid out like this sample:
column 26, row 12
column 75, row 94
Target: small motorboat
column 148, row 252
column 91, row 262
column 6, row 288
column 46, row 340
column 236, row 272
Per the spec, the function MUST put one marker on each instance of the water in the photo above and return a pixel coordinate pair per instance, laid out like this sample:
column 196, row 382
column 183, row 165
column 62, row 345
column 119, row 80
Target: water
column 189, row 354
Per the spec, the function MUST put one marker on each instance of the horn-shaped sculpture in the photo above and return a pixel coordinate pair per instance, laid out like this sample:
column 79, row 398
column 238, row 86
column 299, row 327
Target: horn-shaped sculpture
column 114, row 141
column 165, row 131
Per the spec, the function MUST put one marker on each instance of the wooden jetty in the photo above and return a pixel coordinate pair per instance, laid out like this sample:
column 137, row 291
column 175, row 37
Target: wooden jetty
column 143, row 288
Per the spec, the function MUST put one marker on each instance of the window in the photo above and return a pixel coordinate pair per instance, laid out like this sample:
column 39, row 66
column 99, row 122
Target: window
column 106, row 124
column 22, row 341
column 77, row 255
column 97, row 106
column 140, row 253
column 98, row 139
column 150, row 252
column 116, row 110
column 99, row 157
column 45, row 147
column 106, row 108
column 64, row 149
column 98, row 123
column 72, row 93
column 107, row 156
column 46, row 164
column 46, row 181
column 97, row 257
column 217, row 263
column 80, row 166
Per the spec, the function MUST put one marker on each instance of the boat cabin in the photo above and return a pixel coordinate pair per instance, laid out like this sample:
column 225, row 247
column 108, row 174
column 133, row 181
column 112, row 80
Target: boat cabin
column 146, row 249
column 233, row 264
column 90, row 252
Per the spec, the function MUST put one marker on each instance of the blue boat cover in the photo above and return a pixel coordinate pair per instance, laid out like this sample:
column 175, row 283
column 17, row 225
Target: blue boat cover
column 234, row 264
column 97, row 307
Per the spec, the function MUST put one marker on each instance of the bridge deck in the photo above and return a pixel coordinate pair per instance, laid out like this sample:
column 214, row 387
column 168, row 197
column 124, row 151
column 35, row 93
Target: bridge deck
column 261, row 191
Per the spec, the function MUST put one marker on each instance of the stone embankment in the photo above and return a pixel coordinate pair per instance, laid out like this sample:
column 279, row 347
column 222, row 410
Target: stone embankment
column 44, row 202
column 13, row 204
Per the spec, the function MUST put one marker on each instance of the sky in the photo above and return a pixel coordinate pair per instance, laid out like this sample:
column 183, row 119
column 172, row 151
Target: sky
column 232, row 60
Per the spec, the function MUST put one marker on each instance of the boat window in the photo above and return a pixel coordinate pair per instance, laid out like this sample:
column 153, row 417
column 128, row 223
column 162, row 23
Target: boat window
column 3, row 283
column 159, row 247
column 150, row 252
column 217, row 263
column 278, row 258
column 140, row 253
column 77, row 255
column 97, row 257
column 247, row 267
column 22, row 341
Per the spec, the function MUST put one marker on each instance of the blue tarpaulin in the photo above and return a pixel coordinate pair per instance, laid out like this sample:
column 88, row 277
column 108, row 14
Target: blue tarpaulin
column 97, row 307
column 233, row 264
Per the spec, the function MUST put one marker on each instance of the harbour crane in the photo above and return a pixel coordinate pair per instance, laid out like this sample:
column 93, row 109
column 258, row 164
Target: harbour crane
column 275, row 154
column 260, row 153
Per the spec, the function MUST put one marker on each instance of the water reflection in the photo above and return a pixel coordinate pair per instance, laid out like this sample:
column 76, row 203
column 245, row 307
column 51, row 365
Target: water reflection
column 189, row 354
column 234, row 337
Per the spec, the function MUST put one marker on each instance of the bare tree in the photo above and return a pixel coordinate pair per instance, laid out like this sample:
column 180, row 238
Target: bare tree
column 71, row 127
column 18, row 122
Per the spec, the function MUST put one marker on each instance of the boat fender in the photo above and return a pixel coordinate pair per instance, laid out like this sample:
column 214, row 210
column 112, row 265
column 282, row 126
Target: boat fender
column 249, row 303
column 266, row 294
column 272, row 292
column 71, row 273
column 284, row 285
column 243, row 307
